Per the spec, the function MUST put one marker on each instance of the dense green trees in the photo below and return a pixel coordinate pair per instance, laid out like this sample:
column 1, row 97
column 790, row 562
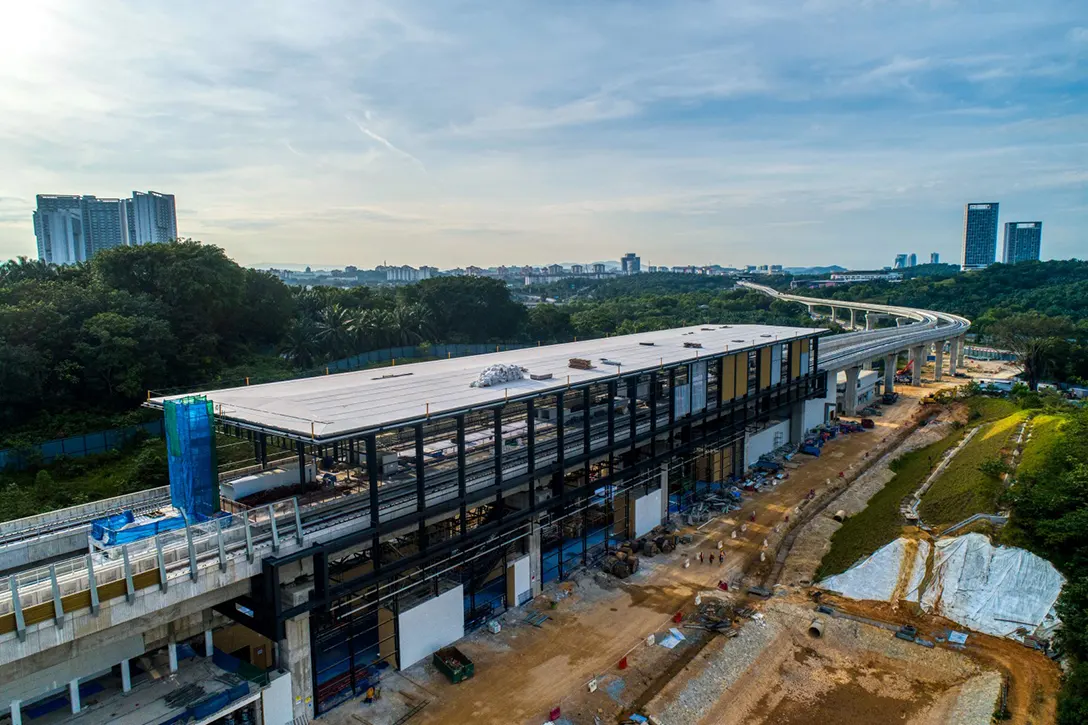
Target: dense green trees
column 1050, row 515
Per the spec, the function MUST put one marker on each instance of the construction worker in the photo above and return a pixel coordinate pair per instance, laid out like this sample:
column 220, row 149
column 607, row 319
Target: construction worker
column 721, row 558
column 700, row 557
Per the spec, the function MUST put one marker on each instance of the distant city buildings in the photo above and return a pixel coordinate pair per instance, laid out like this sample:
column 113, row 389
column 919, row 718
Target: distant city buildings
column 1022, row 241
column 900, row 262
column 979, row 235
column 71, row 229
column 934, row 258
column 912, row 260
column 843, row 278
column 630, row 263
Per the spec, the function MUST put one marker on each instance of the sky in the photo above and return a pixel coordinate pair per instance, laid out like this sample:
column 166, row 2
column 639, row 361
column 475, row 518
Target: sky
column 454, row 132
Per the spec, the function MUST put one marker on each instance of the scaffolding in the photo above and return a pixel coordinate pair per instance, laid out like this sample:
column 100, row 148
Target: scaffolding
column 190, row 447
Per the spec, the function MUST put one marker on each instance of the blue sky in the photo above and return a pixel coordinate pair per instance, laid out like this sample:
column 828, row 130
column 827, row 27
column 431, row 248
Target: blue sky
column 456, row 132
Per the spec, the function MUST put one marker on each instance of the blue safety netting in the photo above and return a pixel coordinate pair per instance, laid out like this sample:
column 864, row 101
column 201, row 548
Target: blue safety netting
column 190, row 447
column 121, row 529
column 101, row 527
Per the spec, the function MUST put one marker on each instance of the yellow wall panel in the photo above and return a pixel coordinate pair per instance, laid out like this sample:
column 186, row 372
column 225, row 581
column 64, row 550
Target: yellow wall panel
column 729, row 378
column 764, row 368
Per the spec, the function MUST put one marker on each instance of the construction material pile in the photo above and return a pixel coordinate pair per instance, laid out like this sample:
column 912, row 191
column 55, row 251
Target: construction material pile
column 497, row 375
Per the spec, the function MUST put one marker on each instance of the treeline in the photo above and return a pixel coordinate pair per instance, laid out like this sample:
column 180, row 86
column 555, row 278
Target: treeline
column 81, row 346
column 1050, row 516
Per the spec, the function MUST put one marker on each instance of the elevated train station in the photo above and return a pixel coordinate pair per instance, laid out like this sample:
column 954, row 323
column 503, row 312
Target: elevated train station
column 388, row 511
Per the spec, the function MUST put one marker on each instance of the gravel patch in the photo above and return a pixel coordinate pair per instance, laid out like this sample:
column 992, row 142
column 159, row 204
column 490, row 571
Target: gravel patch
column 977, row 700
column 724, row 666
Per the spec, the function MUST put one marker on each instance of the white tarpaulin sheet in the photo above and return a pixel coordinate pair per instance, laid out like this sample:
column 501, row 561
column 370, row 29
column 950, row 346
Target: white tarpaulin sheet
column 991, row 589
column 893, row 572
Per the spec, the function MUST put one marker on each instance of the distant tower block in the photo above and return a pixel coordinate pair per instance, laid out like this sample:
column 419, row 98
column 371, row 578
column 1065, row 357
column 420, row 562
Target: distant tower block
column 190, row 448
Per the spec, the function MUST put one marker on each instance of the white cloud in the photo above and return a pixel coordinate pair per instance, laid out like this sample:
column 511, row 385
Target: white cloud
column 728, row 131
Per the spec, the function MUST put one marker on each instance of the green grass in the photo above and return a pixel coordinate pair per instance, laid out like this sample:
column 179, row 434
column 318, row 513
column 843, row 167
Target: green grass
column 880, row 522
column 1040, row 450
column 983, row 409
column 963, row 489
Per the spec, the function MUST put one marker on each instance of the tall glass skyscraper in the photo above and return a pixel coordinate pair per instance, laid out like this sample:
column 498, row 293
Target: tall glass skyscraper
column 58, row 227
column 979, row 235
column 1022, row 241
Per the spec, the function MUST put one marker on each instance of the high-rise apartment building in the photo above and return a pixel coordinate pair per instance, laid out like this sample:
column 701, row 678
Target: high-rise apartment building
column 934, row 258
column 152, row 218
column 979, row 235
column 912, row 260
column 900, row 261
column 1022, row 241
column 630, row 263
column 72, row 229
column 58, row 227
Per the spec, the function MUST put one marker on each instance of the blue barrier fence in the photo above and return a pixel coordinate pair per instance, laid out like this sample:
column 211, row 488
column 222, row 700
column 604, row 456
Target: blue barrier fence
column 77, row 446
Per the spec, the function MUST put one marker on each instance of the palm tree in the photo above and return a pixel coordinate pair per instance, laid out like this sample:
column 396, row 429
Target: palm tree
column 372, row 329
column 411, row 323
column 300, row 344
column 22, row 268
column 334, row 330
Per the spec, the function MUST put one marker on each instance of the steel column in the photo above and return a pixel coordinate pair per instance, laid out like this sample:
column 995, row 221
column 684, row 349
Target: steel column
column 375, row 515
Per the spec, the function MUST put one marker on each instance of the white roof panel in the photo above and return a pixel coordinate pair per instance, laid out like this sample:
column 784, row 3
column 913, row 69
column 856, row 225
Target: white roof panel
column 327, row 406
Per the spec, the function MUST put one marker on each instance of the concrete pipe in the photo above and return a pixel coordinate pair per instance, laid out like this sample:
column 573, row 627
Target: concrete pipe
column 816, row 629
column 840, row 516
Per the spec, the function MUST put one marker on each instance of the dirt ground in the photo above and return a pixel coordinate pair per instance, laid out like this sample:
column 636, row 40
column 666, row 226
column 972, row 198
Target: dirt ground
column 524, row 672
column 1033, row 679
column 855, row 674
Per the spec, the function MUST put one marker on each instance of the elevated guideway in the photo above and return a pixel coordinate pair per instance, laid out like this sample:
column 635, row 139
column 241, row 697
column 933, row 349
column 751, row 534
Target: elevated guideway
column 915, row 332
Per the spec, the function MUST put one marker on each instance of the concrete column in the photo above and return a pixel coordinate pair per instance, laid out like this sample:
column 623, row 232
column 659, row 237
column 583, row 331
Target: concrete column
column 209, row 647
column 870, row 320
column 867, row 365
column 536, row 580
column 960, row 351
column 834, row 314
column 16, row 712
column 918, row 355
column 73, row 694
column 850, row 395
column 172, row 651
column 853, row 318
column 294, row 656
column 126, row 677
column 890, row 361
column 953, row 353
column 938, row 359
column 664, row 476
column 797, row 423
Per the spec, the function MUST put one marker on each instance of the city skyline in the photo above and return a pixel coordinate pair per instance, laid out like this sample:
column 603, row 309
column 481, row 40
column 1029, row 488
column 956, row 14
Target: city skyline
column 688, row 131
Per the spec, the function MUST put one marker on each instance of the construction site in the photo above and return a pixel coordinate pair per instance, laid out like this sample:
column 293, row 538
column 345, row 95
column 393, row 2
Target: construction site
column 608, row 531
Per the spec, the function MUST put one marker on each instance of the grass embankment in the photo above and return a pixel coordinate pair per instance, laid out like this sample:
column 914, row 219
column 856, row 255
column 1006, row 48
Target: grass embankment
column 1041, row 449
column 982, row 409
column 964, row 488
column 881, row 522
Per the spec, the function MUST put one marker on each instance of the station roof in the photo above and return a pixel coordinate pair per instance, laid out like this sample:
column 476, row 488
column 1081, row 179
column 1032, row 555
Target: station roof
column 329, row 406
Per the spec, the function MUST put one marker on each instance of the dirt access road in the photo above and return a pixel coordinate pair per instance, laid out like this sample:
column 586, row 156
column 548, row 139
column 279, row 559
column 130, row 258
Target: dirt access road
column 524, row 672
